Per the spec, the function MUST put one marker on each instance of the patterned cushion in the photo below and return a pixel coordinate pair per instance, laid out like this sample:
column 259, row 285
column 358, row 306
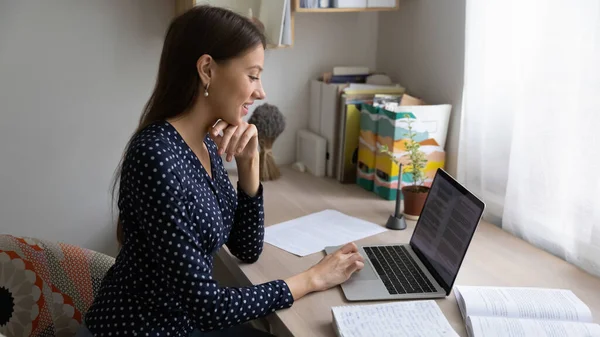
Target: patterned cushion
column 46, row 287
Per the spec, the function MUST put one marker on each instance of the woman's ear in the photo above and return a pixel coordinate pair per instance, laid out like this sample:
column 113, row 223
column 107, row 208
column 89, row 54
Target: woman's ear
column 204, row 67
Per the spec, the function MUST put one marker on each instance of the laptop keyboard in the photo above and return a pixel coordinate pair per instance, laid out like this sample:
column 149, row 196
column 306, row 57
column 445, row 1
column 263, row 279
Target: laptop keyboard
column 398, row 271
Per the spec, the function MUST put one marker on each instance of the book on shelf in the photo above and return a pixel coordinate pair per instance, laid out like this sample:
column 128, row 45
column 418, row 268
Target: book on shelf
column 348, row 133
column 328, row 77
column 309, row 3
column 324, row 114
column 345, row 74
column 350, row 70
column 523, row 311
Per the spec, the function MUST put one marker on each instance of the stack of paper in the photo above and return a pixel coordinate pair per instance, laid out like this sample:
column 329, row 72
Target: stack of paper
column 312, row 233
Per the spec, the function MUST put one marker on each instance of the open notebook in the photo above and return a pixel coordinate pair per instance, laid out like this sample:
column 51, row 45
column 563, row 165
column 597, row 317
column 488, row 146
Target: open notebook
column 514, row 311
column 398, row 319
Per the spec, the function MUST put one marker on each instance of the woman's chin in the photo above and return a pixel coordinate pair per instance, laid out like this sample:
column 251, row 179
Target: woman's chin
column 233, row 122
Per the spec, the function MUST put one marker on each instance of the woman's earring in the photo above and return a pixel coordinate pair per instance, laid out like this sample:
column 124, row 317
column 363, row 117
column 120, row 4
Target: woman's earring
column 206, row 89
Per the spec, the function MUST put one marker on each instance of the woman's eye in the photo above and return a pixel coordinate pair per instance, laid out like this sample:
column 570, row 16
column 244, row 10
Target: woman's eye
column 254, row 78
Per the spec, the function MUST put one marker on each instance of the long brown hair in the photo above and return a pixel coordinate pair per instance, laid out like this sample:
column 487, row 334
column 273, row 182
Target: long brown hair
column 214, row 31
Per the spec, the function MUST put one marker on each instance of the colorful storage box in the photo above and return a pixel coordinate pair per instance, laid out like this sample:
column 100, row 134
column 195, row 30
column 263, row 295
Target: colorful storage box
column 429, row 122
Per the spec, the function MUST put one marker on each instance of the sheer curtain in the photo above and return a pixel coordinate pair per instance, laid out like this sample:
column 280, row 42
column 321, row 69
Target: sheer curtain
column 530, row 144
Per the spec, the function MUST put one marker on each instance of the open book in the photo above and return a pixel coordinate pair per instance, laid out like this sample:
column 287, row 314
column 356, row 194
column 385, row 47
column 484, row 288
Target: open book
column 395, row 319
column 512, row 311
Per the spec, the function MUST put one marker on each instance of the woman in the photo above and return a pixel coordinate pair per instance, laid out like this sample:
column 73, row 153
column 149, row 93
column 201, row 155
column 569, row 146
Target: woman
column 177, row 206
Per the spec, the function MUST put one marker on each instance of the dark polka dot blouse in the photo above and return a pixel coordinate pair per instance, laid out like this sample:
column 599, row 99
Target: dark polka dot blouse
column 175, row 218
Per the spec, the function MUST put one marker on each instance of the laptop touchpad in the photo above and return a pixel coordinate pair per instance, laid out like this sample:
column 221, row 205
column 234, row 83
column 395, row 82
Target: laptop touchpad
column 365, row 274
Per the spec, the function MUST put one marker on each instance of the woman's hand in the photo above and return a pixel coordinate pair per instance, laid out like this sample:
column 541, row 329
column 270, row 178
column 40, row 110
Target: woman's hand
column 332, row 270
column 239, row 141
column 336, row 268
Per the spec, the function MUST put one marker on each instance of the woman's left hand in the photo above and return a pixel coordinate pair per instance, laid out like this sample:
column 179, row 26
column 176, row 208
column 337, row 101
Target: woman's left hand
column 239, row 141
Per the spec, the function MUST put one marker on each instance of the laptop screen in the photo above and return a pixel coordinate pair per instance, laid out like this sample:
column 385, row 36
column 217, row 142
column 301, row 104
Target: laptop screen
column 445, row 228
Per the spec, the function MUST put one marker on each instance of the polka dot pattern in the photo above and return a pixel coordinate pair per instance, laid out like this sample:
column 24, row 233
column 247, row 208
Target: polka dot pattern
column 175, row 218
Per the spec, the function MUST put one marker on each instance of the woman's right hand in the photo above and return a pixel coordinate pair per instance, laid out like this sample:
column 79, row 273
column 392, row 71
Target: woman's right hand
column 332, row 270
column 336, row 268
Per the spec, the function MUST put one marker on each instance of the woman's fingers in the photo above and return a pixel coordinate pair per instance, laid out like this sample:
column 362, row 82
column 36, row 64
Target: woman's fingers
column 233, row 143
column 217, row 132
column 219, row 127
column 232, row 140
column 355, row 257
column 222, row 134
column 227, row 134
column 360, row 258
column 337, row 268
column 355, row 266
column 245, row 138
column 349, row 248
column 355, row 262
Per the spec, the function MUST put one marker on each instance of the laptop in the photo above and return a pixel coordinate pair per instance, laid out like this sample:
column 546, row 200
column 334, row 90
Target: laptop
column 427, row 266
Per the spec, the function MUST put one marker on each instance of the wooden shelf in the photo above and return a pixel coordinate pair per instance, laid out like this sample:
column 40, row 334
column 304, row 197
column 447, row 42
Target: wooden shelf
column 298, row 9
column 281, row 46
column 345, row 10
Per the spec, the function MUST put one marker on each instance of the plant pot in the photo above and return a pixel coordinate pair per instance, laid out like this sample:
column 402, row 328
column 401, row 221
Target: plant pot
column 414, row 199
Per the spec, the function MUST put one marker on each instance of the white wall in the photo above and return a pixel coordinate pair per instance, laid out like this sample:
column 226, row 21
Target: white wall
column 74, row 76
column 422, row 47
column 322, row 40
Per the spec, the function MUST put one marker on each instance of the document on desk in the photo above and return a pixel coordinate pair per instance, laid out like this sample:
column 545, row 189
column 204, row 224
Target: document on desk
column 407, row 318
column 312, row 233
column 523, row 311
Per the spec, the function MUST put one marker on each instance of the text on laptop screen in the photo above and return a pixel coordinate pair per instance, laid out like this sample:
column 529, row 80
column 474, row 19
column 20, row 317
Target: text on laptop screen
column 446, row 226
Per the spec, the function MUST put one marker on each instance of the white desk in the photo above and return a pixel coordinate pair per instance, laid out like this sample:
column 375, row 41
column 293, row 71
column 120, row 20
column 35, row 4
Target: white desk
column 494, row 257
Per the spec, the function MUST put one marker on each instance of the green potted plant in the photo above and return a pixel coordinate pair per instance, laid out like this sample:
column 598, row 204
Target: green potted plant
column 416, row 193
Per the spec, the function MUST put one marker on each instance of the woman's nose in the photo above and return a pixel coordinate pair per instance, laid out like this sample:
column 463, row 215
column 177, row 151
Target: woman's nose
column 260, row 93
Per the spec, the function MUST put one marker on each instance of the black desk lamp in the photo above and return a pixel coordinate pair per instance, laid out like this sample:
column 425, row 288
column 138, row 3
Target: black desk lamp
column 396, row 221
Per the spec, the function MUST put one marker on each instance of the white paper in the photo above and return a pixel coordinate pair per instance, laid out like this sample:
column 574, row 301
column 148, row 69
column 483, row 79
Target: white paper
column 515, row 327
column 522, row 302
column 312, row 233
column 409, row 318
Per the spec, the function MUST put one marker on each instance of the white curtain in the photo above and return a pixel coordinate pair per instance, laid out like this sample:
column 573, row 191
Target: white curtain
column 530, row 133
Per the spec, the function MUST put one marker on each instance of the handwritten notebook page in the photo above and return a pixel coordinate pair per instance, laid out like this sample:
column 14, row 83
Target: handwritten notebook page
column 409, row 318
